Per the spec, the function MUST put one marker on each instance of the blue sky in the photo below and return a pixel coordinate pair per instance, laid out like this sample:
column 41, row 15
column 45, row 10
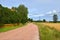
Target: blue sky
column 38, row 9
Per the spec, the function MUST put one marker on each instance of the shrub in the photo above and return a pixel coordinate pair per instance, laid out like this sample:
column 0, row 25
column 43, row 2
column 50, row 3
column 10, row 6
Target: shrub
column 1, row 25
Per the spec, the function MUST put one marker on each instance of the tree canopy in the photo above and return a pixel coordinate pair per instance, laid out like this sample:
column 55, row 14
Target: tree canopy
column 55, row 18
column 13, row 15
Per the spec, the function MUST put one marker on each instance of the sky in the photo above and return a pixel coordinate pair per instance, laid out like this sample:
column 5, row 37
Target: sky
column 38, row 9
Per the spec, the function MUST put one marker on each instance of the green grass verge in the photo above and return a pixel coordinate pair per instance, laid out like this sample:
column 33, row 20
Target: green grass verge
column 47, row 33
column 4, row 29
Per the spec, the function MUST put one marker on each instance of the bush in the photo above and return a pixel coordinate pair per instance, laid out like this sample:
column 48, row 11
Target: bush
column 1, row 25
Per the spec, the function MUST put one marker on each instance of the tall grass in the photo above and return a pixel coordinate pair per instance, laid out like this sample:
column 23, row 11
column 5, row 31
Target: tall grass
column 47, row 33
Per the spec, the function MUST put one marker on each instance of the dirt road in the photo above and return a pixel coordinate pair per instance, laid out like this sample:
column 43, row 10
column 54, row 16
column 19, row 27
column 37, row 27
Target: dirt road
column 28, row 32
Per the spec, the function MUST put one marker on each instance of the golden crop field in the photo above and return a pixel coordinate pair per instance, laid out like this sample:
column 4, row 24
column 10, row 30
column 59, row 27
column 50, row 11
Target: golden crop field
column 53, row 25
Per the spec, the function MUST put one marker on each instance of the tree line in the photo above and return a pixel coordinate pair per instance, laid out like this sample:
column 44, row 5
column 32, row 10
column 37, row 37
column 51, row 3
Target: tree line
column 17, row 15
column 55, row 19
column 14, row 15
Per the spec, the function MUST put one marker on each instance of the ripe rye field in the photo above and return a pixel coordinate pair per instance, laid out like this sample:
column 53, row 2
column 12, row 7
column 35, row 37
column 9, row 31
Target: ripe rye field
column 53, row 25
column 49, row 31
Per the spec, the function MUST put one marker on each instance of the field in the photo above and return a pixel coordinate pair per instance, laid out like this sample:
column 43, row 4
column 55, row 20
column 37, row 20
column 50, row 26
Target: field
column 48, row 33
column 53, row 25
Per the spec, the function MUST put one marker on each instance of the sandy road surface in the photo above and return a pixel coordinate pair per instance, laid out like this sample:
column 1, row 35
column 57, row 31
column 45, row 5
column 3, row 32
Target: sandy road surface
column 28, row 32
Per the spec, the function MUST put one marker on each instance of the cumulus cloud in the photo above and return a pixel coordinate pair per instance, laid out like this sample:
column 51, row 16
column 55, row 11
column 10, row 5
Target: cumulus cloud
column 52, row 12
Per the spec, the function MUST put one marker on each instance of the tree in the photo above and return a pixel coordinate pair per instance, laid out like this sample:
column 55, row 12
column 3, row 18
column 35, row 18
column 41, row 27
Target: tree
column 29, row 19
column 55, row 18
column 14, row 15
column 1, row 12
column 44, row 20
column 23, row 13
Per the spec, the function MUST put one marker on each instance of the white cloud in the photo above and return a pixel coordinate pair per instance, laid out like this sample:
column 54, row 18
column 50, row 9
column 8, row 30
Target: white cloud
column 54, row 11
column 37, row 15
column 50, row 12
column 51, row 15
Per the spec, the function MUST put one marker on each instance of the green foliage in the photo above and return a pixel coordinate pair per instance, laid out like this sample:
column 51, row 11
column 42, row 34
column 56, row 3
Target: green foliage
column 1, row 25
column 44, row 20
column 23, row 13
column 14, row 15
column 55, row 18
column 31, row 20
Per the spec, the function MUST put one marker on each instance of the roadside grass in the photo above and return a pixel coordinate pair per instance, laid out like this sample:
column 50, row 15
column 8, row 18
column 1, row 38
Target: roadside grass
column 47, row 33
column 7, row 28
